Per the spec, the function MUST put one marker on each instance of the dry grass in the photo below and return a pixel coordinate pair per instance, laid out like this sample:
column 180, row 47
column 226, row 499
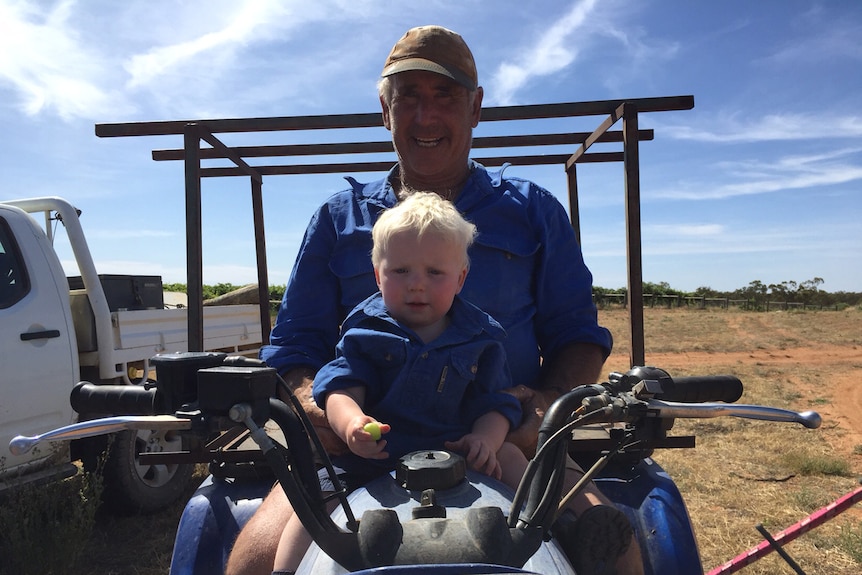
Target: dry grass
column 722, row 331
column 747, row 472
column 136, row 545
column 742, row 472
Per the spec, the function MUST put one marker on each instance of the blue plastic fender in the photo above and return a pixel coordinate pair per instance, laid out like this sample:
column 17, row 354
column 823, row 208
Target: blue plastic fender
column 211, row 521
column 658, row 514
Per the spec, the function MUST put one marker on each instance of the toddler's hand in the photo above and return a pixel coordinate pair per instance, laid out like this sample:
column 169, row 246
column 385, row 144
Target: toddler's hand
column 479, row 454
column 362, row 441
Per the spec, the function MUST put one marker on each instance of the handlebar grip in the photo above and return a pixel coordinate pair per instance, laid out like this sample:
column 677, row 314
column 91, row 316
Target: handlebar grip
column 243, row 361
column 703, row 388
column 112, row 399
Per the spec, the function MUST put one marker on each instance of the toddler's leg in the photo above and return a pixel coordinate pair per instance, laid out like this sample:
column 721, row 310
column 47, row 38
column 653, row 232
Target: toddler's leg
column 293, row 544
column 513, row 463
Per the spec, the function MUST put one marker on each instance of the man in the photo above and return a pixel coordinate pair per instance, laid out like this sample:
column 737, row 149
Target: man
column 527, row 271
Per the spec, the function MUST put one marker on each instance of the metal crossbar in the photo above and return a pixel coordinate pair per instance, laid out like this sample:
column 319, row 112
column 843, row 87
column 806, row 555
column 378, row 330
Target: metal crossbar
column 247, row 161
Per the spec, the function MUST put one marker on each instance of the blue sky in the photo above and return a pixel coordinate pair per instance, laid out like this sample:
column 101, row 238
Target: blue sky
column 762, row 180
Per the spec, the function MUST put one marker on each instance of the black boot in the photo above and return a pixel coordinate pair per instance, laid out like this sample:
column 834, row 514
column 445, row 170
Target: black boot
column 594, row 541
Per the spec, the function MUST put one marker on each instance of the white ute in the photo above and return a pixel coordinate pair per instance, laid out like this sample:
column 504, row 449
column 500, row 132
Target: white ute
column 54, row 336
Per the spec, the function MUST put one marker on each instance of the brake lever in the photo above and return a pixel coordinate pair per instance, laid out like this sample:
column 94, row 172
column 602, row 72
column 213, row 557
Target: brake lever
column 671, row 409
column 21, row 444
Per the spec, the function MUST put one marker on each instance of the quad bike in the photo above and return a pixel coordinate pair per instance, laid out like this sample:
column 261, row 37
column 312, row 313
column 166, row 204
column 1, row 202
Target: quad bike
column 431, row 515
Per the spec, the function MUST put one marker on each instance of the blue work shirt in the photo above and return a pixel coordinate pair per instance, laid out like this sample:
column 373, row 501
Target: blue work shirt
column 526, row 271
column 431, row 392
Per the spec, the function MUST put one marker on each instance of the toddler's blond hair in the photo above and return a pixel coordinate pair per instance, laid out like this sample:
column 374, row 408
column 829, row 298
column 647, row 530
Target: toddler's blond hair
column 421, row 212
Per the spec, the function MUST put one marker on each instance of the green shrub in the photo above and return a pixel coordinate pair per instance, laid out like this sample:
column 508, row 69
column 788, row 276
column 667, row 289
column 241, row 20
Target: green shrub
column 850, row 541
column 807, row 464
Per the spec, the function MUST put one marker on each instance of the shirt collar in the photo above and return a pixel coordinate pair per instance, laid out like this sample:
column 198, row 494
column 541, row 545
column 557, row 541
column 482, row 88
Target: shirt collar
column 481, row 183
column 470, row 320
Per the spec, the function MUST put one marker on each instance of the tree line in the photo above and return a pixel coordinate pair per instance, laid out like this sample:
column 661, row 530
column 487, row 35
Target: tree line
column 276, row 292
column 756, row 293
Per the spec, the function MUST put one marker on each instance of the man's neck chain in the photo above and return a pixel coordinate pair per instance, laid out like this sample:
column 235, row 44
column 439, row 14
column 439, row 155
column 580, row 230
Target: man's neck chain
column 448, row 193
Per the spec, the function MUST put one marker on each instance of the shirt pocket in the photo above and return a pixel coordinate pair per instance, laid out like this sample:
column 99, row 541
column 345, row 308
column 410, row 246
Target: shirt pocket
column 452, row 387
column 502, row 272
column 387, row 353
column 351, row 265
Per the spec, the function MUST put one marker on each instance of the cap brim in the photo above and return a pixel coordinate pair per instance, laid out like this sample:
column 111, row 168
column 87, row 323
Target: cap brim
column 423, row 65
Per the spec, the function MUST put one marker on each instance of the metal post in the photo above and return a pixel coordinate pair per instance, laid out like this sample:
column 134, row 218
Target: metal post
column 194, row 241
column 631, row 167
column 780, row 550
column 260, row 249
column 574, row 208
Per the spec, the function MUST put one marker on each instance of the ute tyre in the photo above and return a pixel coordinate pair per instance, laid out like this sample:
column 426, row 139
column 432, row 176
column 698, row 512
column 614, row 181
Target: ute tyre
column 130, row 487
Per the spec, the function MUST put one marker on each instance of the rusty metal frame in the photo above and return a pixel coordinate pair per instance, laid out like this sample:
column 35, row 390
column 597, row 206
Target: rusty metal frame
column 195, row 132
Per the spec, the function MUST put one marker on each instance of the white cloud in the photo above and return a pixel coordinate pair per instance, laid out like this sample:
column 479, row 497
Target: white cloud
column 677, row 240
column 821, row 41
column 787, row 173
column 168, row 273
column 131, row 234
column 247, row 24
column 685, row 230
column 46, row 64
column 550, row 54
column 708, row 238
column 796, row 239
column 255, row 57
column 772, row 127
column 82, row 60
column 563, row 38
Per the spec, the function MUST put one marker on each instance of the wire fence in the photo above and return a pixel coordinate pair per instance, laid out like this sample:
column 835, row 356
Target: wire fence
column 672, row 301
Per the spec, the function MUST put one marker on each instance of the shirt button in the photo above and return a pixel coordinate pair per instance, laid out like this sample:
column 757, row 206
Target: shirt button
column 388, row 357
column 425, row 355
column 474, row 369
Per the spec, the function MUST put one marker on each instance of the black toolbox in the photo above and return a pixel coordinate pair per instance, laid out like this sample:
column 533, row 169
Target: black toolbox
column 128, row 292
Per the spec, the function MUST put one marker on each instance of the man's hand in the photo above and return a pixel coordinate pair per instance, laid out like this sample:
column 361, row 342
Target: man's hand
column 301, row 380
column 575, row 364
column 534, row 404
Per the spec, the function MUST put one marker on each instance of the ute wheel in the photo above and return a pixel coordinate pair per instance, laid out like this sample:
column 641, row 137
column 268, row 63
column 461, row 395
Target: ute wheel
column 132, row 487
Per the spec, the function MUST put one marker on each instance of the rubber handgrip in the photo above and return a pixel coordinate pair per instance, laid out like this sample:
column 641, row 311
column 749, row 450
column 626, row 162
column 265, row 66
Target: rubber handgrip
column 243, row 361
column 112, row 399
column 705, row 388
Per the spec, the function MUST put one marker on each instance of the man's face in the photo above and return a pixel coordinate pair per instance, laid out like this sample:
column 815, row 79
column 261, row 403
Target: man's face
column 431, row 118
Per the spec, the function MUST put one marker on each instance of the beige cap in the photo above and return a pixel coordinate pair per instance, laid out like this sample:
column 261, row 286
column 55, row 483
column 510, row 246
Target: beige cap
column 433, row 49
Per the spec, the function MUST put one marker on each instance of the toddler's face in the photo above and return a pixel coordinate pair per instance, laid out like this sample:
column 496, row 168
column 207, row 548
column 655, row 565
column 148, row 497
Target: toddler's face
column 420, row 277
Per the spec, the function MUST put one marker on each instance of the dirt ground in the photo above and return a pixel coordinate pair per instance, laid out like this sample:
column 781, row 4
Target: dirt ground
column 826, row 347
column 841, row 391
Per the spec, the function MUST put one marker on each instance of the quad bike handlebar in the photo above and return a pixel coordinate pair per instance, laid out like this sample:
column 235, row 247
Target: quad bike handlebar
column 201, row 393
